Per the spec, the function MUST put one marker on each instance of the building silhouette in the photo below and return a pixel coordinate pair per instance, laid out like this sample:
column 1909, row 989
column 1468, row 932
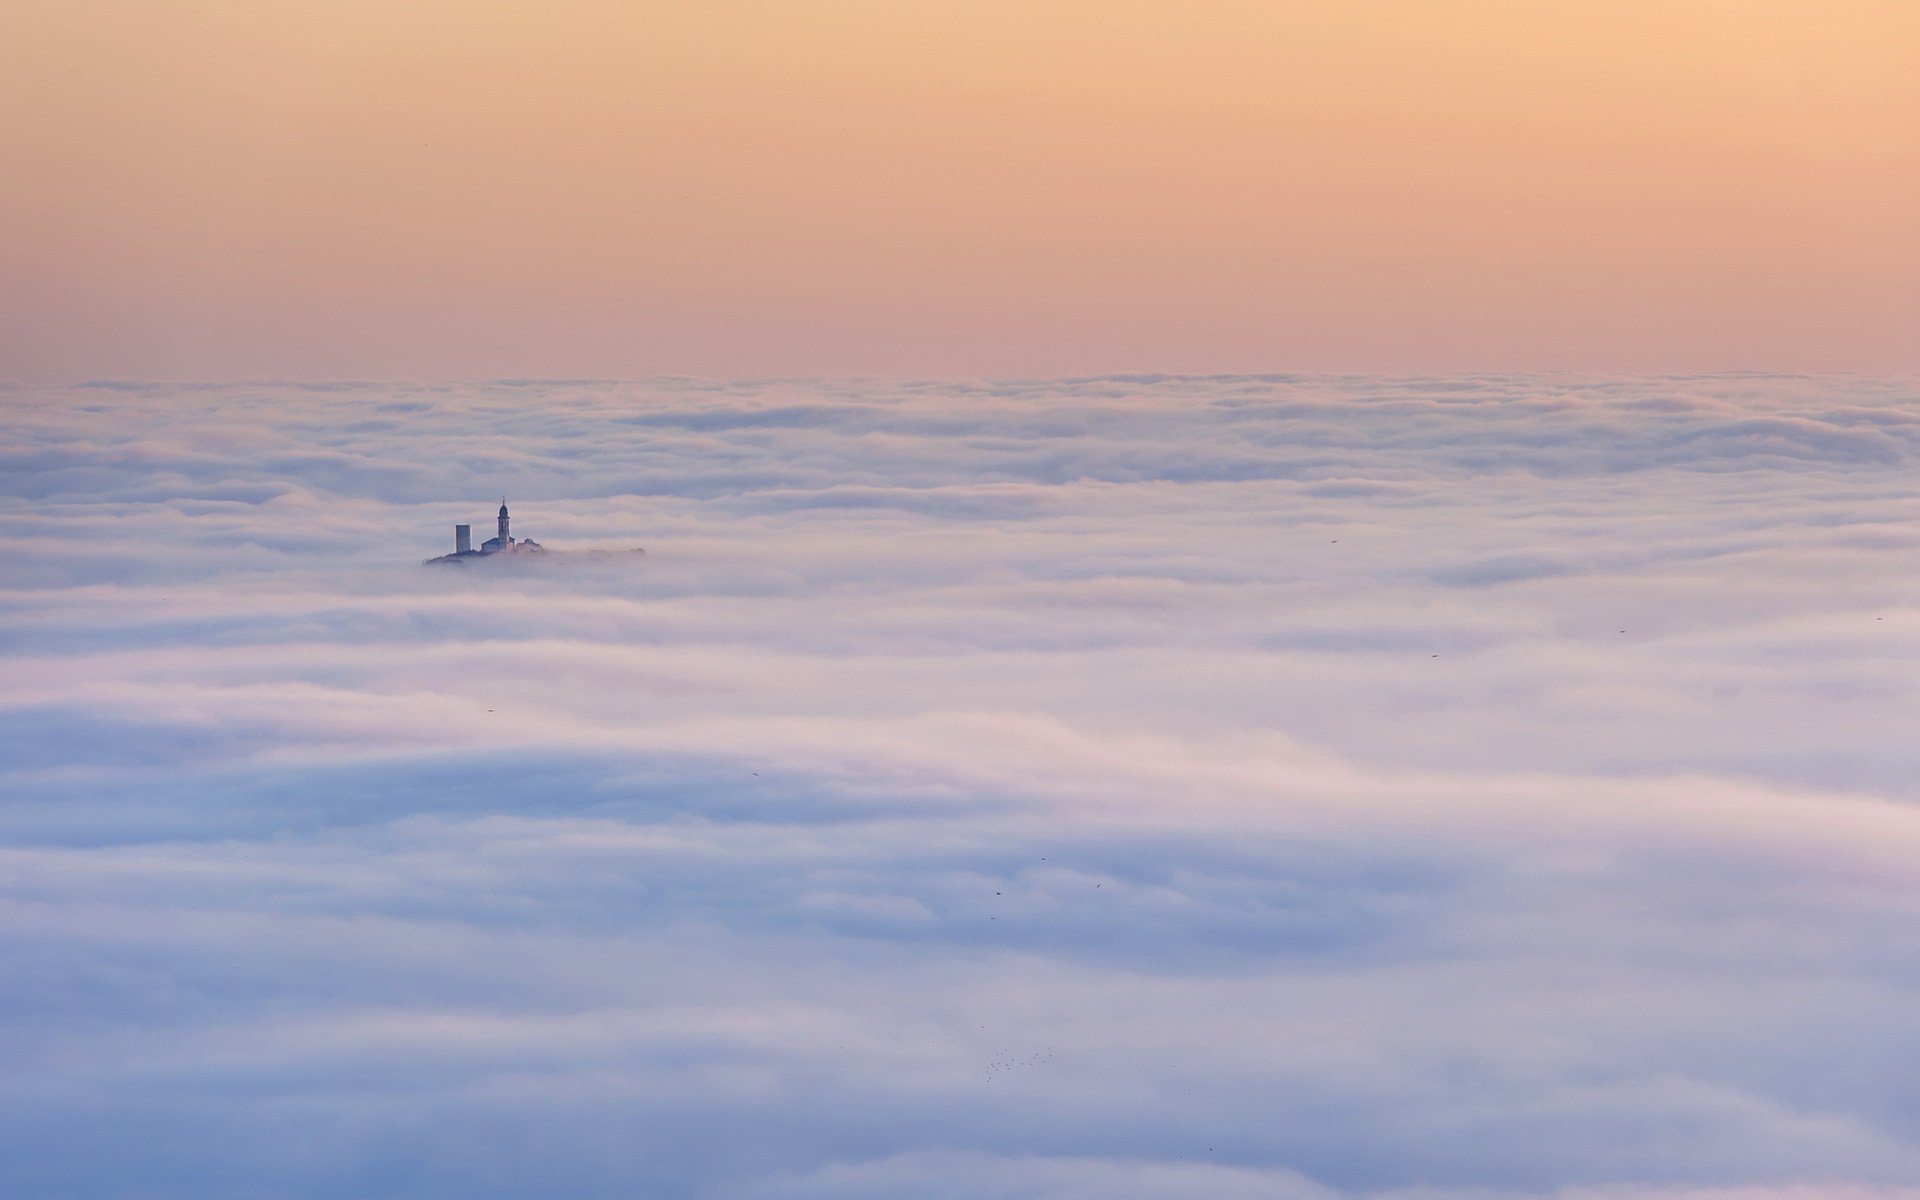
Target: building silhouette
column 501, row 543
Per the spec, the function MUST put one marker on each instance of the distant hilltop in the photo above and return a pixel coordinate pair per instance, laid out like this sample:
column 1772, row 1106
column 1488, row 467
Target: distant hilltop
column 501, row 543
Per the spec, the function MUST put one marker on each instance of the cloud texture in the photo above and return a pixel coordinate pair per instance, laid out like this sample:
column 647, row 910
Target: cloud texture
column 1135, row 788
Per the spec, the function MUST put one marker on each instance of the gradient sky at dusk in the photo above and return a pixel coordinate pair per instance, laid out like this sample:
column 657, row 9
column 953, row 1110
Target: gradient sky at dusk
column 228, row 188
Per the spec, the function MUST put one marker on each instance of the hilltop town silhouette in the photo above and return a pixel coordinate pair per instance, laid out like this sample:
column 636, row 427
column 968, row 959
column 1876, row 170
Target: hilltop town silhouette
column 503, row 543
column 500, row 543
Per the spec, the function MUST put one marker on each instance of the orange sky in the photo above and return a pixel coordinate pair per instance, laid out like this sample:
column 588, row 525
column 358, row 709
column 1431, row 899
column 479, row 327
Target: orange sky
column 469, row 188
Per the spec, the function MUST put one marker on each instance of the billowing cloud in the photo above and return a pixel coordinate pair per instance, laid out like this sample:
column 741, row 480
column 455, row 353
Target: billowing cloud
column 1133, row 787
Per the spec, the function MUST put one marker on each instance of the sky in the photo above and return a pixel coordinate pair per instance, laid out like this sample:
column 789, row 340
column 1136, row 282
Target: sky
column 224, row 189
column 1469, row 787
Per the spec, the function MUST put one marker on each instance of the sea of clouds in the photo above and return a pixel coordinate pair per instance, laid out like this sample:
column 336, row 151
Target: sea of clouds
column 1133, row 788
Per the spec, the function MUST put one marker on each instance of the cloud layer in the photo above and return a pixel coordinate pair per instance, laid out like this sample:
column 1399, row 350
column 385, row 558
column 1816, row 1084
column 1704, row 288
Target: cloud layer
column 1132, row 787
